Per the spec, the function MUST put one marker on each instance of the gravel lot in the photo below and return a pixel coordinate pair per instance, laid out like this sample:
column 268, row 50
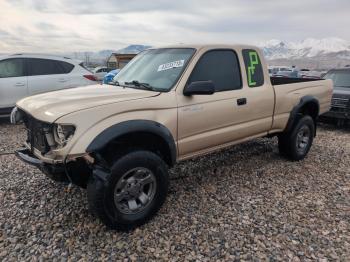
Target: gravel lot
column 244, row 203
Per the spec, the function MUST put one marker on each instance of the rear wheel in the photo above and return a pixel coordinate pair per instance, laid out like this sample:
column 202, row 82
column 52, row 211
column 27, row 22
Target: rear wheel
column 296, row 144
column 131, row 193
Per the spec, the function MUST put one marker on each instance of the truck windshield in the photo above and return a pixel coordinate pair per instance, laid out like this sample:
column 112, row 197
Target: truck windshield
column 155, row 69
column 340, row 78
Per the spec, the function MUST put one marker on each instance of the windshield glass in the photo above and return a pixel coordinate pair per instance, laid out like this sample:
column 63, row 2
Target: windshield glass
column 340, row 78
column 159, row 69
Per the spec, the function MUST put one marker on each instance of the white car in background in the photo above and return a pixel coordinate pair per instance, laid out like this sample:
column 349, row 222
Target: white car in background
column 273, row 70
column 100, row 72
column 23, row 75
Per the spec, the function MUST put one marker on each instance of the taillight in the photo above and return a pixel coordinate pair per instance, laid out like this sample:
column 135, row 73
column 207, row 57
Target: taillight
column 91, row 77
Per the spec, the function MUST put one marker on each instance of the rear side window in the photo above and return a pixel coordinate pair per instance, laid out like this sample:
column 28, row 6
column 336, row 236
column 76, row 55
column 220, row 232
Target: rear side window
column 253, row 67
column 83, row 66
column 102, row 70
column 38, row 66
column 12, row 68
column 221, row 67
column 66, row 67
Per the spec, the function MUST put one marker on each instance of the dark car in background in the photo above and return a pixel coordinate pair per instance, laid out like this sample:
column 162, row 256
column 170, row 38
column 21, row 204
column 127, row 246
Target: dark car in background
column 340, row 107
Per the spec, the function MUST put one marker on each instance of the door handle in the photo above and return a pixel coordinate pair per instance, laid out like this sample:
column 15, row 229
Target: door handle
column 241, row 101
column 62, row 80
column 19, row 84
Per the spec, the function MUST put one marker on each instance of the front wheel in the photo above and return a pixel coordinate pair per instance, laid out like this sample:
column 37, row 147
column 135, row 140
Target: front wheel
column 131, row 193
column 296, row 144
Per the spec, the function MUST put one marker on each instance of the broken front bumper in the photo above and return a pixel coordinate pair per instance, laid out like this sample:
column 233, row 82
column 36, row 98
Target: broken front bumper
column 56, row 171
column 26, row 156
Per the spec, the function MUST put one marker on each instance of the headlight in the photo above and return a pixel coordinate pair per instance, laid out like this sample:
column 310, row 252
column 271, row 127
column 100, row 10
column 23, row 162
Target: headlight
column 16, row 116
column 63, row 133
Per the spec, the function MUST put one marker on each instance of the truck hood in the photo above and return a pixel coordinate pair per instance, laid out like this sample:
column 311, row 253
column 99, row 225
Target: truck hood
column 50, row 106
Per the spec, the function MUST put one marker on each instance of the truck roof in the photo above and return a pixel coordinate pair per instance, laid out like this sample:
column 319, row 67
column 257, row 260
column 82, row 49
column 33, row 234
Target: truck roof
column 211, row 46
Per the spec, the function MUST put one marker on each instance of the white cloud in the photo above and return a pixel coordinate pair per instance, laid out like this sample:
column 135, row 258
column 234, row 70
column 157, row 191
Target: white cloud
column 83, row 25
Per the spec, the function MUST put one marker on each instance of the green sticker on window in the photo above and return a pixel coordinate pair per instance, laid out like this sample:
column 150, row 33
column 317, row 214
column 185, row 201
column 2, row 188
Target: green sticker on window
column 253, row 66
column 253, row 61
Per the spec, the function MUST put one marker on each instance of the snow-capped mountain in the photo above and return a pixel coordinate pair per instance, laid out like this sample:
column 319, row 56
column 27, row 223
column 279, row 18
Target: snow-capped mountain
column 310, row 53
column 308, row 48
column 100, row 57
column 133, row 49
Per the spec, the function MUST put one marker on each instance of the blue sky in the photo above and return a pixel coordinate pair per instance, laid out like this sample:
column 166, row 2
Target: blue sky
column 91, row 25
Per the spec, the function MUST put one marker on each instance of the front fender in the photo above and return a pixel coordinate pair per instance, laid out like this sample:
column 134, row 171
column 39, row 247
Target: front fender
column 133, row 126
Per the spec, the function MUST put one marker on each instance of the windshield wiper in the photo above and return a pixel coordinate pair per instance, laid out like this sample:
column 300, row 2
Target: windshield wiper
column 113, row 83
column 140, row 84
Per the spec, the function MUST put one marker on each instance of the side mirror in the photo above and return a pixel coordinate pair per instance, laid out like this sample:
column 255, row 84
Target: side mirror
column 200, row 88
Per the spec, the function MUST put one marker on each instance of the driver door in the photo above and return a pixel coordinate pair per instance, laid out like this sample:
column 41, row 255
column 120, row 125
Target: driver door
column 240, row 109
column 205, row 121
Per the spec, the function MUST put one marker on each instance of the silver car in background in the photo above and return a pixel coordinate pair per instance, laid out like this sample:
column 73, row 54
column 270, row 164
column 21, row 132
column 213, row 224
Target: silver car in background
column 340, row 107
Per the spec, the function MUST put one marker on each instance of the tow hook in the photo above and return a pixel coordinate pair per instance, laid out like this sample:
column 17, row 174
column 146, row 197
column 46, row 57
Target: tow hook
column 68, row 188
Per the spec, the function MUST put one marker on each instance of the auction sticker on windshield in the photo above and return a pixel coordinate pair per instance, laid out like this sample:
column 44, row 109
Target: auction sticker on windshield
column 170, row 65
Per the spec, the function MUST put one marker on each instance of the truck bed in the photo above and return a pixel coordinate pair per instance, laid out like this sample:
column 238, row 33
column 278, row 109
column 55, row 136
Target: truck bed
column 288, row 80
column 289, row 91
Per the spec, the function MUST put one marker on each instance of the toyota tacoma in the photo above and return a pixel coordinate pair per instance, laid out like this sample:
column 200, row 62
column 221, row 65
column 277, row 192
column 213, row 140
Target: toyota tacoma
column 167, row 105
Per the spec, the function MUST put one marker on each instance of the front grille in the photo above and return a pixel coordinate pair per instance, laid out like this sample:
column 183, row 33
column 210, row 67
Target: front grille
column 36, row 133
column 340, row 102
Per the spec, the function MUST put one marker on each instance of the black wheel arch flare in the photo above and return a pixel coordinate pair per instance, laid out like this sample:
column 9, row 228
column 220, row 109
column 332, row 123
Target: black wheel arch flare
column 305, row 102
column 134, row 126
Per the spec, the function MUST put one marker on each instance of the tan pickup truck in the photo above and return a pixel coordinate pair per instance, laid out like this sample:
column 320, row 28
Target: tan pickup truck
column 167, row 105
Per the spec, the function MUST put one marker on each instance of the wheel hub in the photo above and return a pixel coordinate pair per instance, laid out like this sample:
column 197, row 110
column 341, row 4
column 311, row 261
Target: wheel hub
column 135, row 190
column 303, row 138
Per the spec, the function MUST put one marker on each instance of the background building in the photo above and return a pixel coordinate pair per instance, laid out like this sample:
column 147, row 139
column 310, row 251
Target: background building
column 118, row 61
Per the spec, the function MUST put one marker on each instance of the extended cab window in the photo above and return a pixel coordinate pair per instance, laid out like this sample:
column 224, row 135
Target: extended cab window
column 253, row 67
column 38, row 66
column 11, row 68
column 219, row 66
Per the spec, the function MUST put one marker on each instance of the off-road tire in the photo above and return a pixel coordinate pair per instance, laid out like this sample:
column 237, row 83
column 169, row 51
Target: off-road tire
column 288, row 142
column 100, row 191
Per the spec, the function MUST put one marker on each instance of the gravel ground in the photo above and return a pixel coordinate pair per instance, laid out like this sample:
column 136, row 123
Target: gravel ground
column 243, row 203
